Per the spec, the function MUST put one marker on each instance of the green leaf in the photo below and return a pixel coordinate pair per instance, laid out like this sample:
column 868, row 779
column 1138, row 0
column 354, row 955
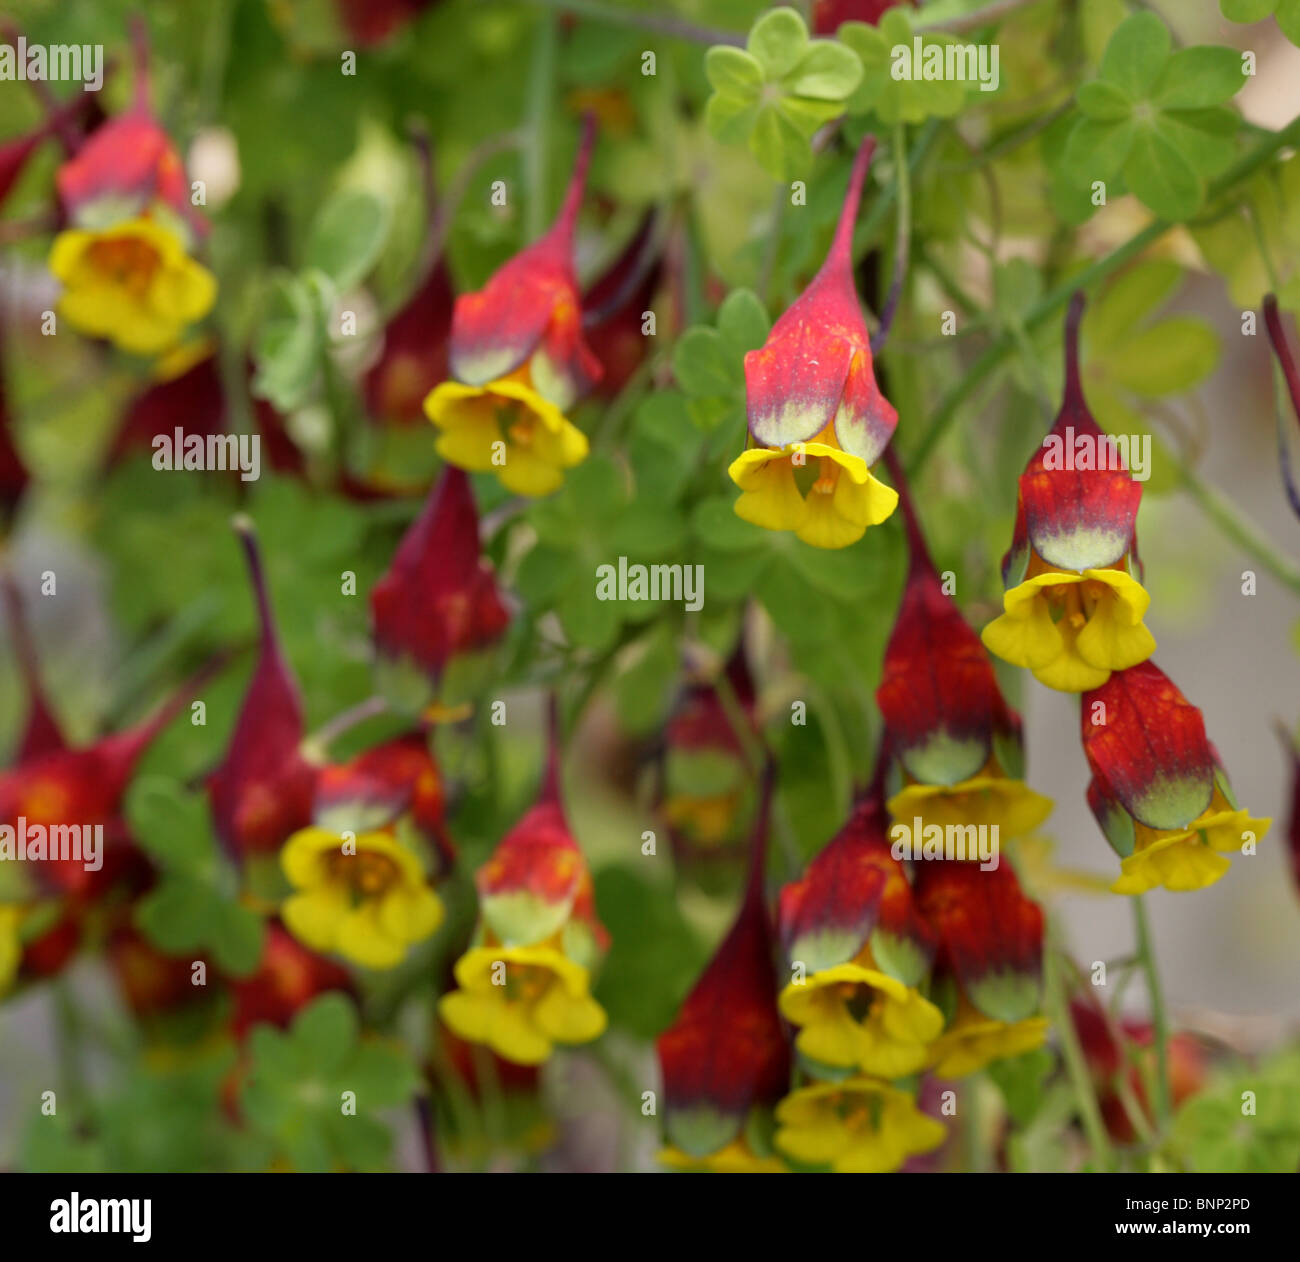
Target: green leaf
column 646, row 531
column 287, row 349
column 827, row 71
column 171, row 825
column 1167, row 358
column 1161, row 177
column 347, row 236
column 1021, row 1080
column 1103, row 101
column 703, row 365
column 1204, row 137
column 1288, row 19
column 325, row 1032
column 1136, row 54
column 543, row 573
column 655, row 958
column 778, row 40
column 733, row 72
column 1246, row 10
column 1096, row 150
column 1127, row 301
column 716, row 524
column 1196, row 77
column 237, row 937
column 781, row 148
column 743, row 321
column 176, row 915
column 730, row 118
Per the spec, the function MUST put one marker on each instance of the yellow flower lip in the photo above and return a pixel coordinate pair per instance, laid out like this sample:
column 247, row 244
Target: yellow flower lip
column 131, row 283
column 1187, row 859
column 988, row 798
column 521, row 1001
column 852, row 1015
column 369, row 906
column 508, row 428
column 974, row 1041
column 1073, row 629
column 842, row 502
column 860, row 1125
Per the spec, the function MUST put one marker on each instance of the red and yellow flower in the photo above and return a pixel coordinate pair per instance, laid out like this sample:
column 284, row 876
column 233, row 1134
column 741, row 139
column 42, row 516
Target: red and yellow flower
column 524, row 985
column 725, row 1060
column 124, row 261
column 816, row 415
column 1073, row 607
column 988, row 968
column 1158, row 792
column 520, row 361
column 362, row 896
column 859, row 954
column 706, row 789
column 956, row 741
column 859, row 1126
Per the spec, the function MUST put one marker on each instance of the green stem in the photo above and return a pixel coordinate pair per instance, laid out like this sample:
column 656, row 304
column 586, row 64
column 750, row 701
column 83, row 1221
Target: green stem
column 658, row 24
column 537, row 109
column 980, row 17
column 1245, row 534
column 883, row 203
column 1058, row 1010
column 1155, row 996
column 1054, row 301
column 72, row 1078
column 902, row 238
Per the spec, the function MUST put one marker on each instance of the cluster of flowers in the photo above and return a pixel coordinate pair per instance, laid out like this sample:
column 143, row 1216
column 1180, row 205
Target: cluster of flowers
column 898, row 967
column 1073, row 613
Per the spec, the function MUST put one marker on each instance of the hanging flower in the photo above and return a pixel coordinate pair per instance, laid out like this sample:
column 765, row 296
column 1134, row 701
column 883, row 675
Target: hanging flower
column 1072, row 608
column 705, row 784
column 525, row 983
column 439, row 597
column 262, row 791
column 726, row 1059
column 860, row 1126
column 519, row 361
column 386, row 787
column 60, row 786
column 1158, row 792
column 987, row 972
column 124, row 262
column 362, row 896
column 816, row 415
column 957, row 742
column 858, row 952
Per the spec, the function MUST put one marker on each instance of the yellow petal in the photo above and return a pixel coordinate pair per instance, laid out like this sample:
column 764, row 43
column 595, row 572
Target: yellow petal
column 1025, row 634
column 770, row 496
column 314, row 916
column 361, row 937
column 409, row 915
column 567, row 1018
